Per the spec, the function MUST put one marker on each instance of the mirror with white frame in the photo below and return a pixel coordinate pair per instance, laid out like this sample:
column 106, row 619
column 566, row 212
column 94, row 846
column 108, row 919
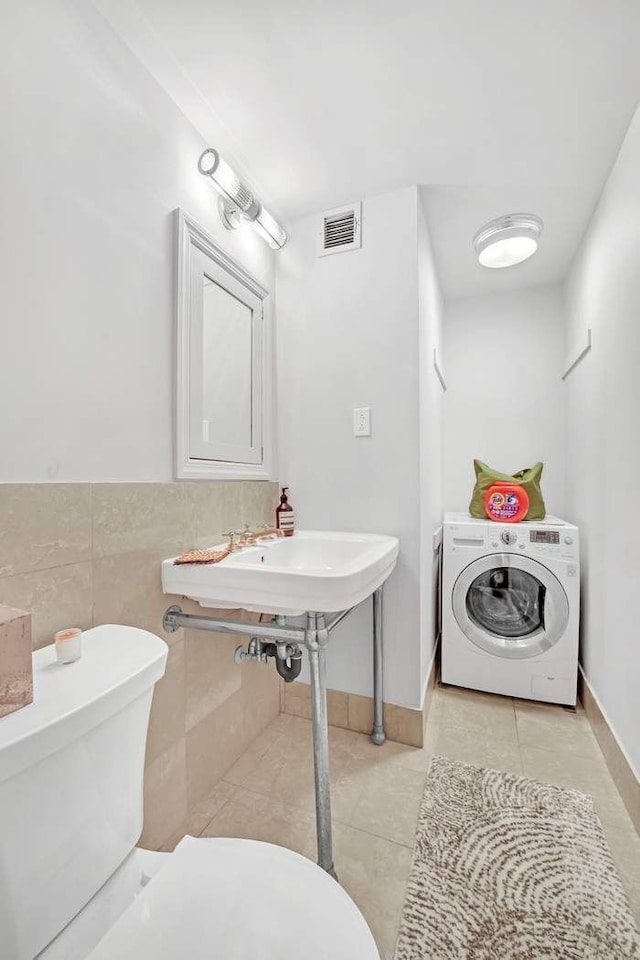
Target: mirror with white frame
column 224, row 382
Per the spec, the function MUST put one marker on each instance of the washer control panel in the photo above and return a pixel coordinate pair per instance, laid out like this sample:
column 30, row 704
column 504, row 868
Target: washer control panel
column 544, row 536
column 552, row 543
column 536, row 541
column 541, row 541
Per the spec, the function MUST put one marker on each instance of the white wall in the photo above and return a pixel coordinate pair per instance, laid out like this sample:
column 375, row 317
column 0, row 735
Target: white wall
column 430, row 312
column 505, row 399
column 349, row 336
column 95, row 157
column 603, row 448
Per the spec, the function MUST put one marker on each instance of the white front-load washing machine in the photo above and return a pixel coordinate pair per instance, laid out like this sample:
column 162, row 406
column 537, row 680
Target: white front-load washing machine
column 511, row 607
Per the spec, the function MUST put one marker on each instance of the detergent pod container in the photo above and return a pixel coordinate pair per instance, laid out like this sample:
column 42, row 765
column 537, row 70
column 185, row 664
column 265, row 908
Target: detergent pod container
column 506, row 502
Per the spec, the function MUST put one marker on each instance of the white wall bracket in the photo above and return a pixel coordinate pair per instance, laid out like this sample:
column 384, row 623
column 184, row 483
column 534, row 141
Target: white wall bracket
column 438, row 370
column 437, row 539
column 582, row 352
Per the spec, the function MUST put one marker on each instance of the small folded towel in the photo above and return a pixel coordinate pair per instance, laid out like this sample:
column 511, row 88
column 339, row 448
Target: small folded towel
column 203, row 556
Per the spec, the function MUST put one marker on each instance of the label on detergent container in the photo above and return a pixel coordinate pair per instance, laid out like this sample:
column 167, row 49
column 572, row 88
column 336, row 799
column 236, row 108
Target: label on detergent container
column 506, row 502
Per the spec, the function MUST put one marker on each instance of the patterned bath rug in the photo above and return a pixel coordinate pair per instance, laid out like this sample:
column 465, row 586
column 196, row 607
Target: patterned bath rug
column 506, row 868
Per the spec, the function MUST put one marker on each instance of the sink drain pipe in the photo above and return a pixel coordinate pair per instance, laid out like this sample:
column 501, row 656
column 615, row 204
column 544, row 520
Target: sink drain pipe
column 288, row 640
column 287, row 657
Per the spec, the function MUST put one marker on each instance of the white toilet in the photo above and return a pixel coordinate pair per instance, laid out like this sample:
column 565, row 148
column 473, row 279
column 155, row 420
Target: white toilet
column 73, row 884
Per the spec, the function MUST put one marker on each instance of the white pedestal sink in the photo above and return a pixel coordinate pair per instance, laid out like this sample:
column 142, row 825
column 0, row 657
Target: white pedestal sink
column 312, row 570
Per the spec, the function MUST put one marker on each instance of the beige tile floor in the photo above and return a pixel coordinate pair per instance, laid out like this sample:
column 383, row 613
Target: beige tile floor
column 268, row 794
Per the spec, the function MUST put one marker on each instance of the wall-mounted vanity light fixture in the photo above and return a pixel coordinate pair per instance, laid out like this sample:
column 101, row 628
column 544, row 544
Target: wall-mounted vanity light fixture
column 237, row 203
column 508, row 240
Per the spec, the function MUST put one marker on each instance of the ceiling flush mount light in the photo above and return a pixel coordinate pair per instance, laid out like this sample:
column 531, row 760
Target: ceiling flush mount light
column 508, row 240
column 237, row 203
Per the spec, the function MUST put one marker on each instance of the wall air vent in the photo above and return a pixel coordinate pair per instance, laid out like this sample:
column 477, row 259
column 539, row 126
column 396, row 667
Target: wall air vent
column 340, row 230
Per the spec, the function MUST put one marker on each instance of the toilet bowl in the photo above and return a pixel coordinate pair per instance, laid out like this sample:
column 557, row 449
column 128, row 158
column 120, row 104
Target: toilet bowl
column 217, row 898
column 73, row 884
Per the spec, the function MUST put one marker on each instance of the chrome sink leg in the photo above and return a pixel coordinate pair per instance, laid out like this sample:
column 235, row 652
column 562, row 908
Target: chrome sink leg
column 377, row 734
column 316, row 641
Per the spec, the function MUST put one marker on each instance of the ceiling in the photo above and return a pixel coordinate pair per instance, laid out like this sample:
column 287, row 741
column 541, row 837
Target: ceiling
column 496, row 107
column 455, row 213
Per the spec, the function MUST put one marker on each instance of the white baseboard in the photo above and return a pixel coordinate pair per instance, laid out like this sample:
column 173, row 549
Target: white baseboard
column 429, row 679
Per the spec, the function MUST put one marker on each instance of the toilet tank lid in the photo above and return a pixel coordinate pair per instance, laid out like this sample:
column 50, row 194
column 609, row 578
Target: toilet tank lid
column 117, row 666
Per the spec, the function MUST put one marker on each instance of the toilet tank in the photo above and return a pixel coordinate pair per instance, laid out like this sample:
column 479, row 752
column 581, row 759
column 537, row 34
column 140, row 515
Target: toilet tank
column 71, row 777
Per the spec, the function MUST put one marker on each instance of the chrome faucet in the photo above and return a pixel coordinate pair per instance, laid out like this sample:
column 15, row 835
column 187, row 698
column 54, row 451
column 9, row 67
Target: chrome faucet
column 233, row 544
column 249, row 537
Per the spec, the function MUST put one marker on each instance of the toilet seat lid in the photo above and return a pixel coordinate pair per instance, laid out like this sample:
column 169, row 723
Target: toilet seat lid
column 235, row 899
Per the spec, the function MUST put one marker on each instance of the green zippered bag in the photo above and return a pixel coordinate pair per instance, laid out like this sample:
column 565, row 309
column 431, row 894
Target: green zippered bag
column 529, row 479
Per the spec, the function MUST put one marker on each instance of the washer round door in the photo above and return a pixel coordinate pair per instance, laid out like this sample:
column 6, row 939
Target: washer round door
column 510, row 606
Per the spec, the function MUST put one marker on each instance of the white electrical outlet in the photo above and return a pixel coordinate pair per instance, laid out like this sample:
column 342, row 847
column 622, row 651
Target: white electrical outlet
column 362, row 422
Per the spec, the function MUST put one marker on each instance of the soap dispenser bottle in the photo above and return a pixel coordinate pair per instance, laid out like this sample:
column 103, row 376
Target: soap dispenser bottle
column 285, row 515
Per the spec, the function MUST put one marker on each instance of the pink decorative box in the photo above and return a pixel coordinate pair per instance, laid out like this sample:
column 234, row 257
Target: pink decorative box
column 16, row 670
